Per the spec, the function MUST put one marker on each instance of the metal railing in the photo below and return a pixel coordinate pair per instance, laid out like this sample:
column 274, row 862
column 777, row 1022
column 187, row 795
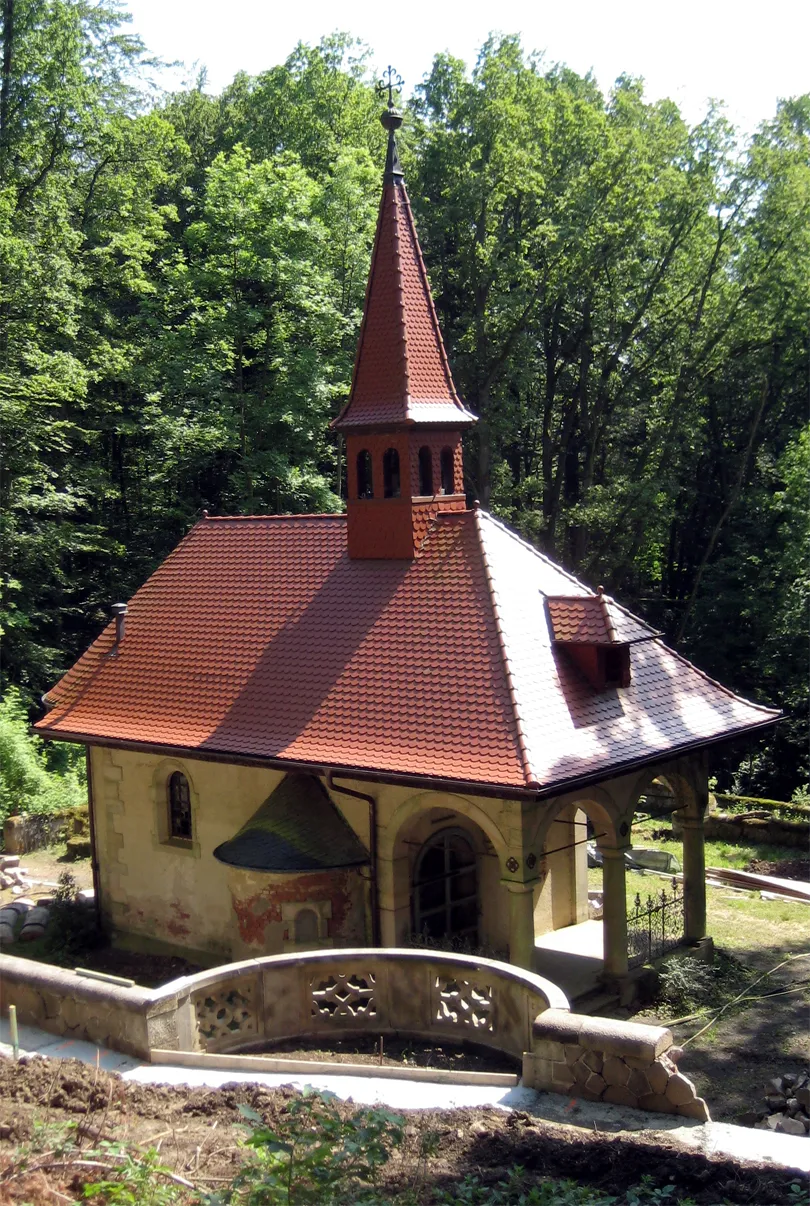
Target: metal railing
column 655, row 926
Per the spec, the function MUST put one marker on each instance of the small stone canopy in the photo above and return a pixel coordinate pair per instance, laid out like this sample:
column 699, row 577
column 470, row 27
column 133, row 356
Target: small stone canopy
column 297, row 828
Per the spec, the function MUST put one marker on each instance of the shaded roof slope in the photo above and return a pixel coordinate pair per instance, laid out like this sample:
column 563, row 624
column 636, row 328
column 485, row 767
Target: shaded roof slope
column 260, row 638
column 401, row 372
column 297, row 828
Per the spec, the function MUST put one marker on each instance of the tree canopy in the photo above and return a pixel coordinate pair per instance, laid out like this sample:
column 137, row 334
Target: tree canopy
column 624, row 299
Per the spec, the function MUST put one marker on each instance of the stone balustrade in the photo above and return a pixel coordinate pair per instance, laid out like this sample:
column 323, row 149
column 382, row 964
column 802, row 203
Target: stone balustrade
column 240, row 1007
column 335, row 993
column 332, row 994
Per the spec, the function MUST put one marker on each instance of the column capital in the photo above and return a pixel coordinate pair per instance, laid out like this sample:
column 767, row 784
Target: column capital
column 518, row 887
column 613, row 852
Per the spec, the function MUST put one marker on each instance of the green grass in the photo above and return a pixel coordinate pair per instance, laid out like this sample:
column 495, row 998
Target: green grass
column 738, row 922
column 734, row 855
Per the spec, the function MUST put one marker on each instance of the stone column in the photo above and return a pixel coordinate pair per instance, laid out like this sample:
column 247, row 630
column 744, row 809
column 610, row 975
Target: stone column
column 694, row 879
column 521, row 925
column 386, row 897
column 614, row 913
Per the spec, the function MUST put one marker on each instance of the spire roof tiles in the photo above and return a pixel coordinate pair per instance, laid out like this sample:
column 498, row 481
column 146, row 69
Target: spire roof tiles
column 401, row 372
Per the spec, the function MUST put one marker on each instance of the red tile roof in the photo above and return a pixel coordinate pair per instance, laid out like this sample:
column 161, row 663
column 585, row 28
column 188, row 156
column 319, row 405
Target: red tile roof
column 582, row 620
column 260, row 638
column 401, row 372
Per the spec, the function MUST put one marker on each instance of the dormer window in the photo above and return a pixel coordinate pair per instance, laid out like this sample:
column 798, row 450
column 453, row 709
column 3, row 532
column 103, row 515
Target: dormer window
column 617, row 666
column 582, row 629
column 448, row 474
column 391, row 473
column 425, row 471
column 365, row 479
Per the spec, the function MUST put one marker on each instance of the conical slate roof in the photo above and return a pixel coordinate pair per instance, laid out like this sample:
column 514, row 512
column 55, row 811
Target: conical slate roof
column 297, row 828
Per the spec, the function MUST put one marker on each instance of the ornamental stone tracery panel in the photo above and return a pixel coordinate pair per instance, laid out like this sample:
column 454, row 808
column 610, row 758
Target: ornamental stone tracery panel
column 227, row 1012
column 465, row 1003
column 344, row 995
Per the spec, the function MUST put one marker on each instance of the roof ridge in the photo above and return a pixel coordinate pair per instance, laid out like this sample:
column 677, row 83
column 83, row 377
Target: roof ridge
column 406, row 367
column 529, row 775
column 283, row 515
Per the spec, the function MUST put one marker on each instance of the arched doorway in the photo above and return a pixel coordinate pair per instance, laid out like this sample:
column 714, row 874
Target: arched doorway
column 445, row 888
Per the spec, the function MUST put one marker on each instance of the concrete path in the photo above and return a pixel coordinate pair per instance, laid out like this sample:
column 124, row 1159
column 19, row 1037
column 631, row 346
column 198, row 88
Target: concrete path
column 571, row 957
column 713, row 1138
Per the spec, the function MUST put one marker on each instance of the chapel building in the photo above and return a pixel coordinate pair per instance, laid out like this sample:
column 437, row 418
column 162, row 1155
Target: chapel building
column 400, row 723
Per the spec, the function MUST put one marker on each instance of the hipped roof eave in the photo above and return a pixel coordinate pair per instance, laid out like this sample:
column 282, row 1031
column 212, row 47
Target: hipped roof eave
column 401, row 778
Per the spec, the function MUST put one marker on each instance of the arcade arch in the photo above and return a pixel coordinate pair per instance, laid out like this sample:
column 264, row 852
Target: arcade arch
column 440, row 874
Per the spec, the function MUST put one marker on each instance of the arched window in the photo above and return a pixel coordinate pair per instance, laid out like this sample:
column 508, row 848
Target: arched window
column 365, row 480
column 448, row 475
column 446, row 888
column 425, row 471
column 179, row 807
column 391, row 473
column 306, row 926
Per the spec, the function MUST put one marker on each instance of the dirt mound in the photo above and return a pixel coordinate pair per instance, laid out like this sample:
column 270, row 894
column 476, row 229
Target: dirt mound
column 786, row 868
column 200, row 1132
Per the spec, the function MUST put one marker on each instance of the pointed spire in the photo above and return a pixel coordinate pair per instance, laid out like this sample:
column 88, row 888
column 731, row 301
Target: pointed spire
column 391, row 119
column 401, row 371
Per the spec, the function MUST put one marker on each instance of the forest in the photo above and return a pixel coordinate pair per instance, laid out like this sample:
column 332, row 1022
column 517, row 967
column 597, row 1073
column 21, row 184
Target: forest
column 624, row 298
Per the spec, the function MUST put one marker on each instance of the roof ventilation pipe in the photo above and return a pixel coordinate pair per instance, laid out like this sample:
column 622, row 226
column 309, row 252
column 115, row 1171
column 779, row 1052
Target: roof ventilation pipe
column 119, row 611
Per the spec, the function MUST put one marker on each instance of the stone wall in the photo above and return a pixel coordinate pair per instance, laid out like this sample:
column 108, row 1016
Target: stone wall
column 65, row 1003
column 333, row 994
column 602, row 1059
column 769, row 830
column 34, row 831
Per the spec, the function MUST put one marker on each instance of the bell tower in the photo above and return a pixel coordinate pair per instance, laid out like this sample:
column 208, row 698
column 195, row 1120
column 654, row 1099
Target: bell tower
column 404, row 420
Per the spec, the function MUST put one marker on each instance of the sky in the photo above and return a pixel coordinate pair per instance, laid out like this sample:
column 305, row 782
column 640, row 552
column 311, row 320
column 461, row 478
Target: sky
column 746, row 53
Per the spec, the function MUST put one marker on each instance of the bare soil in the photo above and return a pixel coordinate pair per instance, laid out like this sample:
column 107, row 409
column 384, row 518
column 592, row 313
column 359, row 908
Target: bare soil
column 397, row 1052
column 198, row 1133
column 785, row 868
column 752, row 1042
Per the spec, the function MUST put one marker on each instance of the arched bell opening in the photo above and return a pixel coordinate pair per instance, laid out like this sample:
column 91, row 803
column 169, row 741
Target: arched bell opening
column 425, row 471
column 447, row 471
column 391, row 482
column 365, row 474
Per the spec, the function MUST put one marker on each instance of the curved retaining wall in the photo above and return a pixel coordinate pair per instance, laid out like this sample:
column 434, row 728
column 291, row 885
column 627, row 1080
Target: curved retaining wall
column 328, row 994
column 241, row 1006
column 319, row 994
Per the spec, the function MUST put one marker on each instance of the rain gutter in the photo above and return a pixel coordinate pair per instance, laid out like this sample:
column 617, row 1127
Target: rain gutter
column 503, row 791
column 372, row 851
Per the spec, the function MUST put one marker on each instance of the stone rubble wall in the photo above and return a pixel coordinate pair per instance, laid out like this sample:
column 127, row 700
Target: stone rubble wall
column 768, row 830
column 22, row 834
column 602, row 1059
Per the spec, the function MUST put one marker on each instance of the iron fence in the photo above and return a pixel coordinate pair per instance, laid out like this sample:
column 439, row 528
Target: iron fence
column 655, row 926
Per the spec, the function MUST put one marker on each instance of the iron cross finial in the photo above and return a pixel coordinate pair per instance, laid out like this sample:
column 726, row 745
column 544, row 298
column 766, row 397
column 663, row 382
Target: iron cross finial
column 390, row 82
